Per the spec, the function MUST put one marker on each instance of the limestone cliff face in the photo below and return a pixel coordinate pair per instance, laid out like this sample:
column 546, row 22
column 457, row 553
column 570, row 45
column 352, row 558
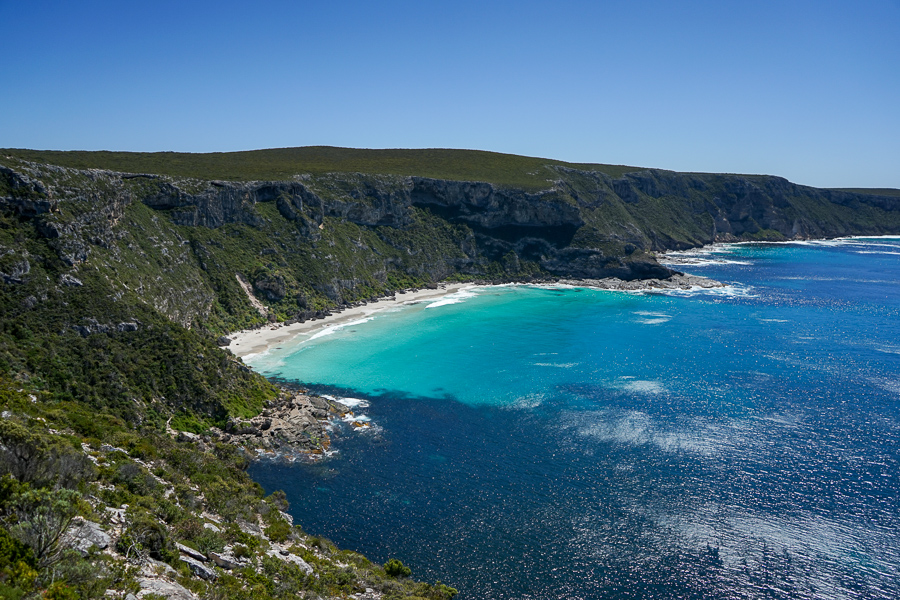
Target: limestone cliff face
column 313, row 242
column 724, row 208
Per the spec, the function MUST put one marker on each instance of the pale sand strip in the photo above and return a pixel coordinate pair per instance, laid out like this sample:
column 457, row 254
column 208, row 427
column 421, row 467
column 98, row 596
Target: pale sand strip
column 254, row 341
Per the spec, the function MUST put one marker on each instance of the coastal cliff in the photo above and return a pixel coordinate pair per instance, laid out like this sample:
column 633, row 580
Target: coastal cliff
column 184, row 245
column 120, row 274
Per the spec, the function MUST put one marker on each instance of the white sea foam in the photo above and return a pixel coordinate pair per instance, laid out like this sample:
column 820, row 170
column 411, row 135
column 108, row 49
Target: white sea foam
column 351, row 402
column 557, row 365
column 637, row 428
column 728, row 291
column 715, row 254
column 331, row 329
column 643, row 386
column 743, row 536
column 887, row 384
column 699, row 260
column 455, row 298
column 528, row 401
column 652, row 318
column 352, row 418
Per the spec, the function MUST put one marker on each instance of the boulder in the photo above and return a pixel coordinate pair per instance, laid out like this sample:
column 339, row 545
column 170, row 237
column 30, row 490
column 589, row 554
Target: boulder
column 227, row 560
column 195, row 554
column 70, row 280
column 199, row 569
column 84, row 535
column 276, row 552
column 166, row 589
column 187, row 436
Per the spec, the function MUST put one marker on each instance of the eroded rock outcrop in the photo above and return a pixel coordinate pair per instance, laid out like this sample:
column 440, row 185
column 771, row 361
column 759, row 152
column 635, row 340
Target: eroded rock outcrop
column 292, row 426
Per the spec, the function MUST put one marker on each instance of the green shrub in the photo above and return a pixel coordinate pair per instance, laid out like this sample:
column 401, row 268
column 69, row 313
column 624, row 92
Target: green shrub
column 209, row 541
column 279, row 531
column 41, row 517
column 13, row 551
column 235, row 534
column 145, row 536
column 60, row 591
column 8, row 592
column 395, row 568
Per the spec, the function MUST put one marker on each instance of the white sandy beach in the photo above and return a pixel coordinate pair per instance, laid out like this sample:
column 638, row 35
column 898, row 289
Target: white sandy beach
column 254, row 341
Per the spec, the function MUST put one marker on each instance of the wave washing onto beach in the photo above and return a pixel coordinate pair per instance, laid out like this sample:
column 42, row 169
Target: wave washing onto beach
column 455, row 298
column 332, row 329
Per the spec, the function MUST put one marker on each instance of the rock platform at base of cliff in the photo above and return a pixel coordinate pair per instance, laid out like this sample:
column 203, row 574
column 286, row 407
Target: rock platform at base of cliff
column 678, row 281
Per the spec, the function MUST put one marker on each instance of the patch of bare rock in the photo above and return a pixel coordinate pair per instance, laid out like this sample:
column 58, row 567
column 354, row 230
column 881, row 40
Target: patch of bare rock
column 678, row 281
column 295, row 425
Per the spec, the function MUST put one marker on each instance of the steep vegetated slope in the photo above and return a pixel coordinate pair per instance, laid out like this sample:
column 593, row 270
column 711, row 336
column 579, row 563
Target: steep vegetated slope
column 119, row 271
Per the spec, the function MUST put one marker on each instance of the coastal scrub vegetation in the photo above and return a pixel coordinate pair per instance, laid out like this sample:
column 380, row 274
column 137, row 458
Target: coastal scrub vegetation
column 107, row 349
column 116, row 290
column 284, row 163
column 86, row 516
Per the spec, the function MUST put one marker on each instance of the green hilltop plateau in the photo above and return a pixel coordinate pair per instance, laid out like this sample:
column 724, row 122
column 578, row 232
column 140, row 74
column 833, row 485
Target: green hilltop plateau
column 121, row 447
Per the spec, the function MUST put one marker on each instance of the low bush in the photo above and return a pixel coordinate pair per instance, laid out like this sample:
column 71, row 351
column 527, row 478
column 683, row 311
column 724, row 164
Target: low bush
column 395, row 568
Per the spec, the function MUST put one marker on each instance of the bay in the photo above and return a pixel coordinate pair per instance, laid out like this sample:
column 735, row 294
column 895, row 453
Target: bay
column 543, row 442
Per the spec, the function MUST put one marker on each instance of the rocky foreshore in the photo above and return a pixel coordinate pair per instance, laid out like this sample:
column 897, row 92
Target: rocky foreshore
column 294, row 426
column 678, row 281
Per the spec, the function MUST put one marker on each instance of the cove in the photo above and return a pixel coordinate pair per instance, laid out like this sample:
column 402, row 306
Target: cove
column 561, row 442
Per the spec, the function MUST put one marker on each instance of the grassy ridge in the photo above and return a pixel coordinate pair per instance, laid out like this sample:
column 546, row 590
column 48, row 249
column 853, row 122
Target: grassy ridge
column 283, row 163
column 875, row 191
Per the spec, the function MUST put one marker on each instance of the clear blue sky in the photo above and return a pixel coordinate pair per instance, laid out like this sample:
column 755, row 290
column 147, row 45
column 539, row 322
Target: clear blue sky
column 809, row 90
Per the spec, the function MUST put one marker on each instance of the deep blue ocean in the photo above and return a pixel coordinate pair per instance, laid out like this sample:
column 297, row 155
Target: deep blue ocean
column 540, row 442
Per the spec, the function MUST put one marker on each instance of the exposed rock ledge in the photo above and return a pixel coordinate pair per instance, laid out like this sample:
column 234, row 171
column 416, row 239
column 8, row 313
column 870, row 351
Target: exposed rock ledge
column 678, row 281
column 295, row 425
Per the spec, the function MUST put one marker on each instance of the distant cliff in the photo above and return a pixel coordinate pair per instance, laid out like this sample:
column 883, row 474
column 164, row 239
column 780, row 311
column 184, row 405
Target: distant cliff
column 315, row 242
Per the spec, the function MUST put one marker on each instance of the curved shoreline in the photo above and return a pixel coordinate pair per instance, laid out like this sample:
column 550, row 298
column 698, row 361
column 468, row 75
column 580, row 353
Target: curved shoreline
column 249, row 342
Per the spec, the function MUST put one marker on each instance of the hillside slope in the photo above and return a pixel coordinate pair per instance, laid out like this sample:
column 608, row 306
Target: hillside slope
column 115, row 285
column 316, row 241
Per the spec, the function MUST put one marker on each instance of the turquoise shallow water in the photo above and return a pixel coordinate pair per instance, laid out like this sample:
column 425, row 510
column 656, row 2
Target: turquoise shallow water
column 542, row 443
